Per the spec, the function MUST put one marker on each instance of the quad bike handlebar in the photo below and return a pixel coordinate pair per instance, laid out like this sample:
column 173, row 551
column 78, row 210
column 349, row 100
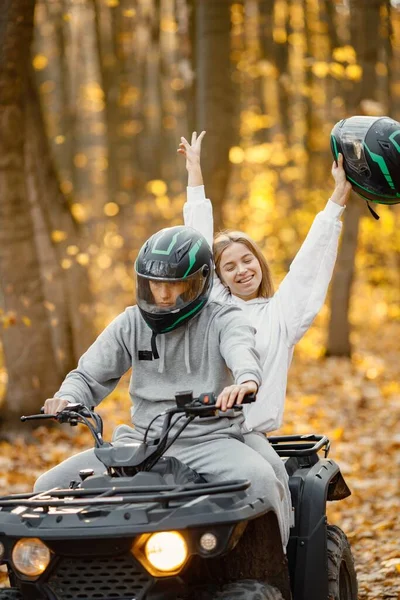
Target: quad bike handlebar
column 185, row 406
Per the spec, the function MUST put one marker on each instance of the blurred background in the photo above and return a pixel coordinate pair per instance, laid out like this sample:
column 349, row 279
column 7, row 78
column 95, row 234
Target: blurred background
column 94, row 96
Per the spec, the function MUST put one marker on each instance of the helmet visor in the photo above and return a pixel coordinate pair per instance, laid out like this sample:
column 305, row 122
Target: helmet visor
column 352, row 138
column 161, row 295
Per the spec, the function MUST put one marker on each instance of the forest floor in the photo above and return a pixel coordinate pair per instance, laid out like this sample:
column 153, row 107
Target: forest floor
column 355, row 402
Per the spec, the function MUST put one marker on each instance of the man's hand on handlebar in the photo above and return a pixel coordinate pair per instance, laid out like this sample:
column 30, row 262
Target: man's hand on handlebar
column 234, row 394
column 52, row 406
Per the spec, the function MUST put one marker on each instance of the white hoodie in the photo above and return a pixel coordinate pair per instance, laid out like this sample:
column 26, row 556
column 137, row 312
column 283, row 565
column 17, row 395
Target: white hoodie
column 284, row 318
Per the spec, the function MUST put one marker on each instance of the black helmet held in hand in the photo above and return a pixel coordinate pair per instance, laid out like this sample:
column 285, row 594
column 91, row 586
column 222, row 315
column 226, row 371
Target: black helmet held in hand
column 174, row 271
column 371, row 153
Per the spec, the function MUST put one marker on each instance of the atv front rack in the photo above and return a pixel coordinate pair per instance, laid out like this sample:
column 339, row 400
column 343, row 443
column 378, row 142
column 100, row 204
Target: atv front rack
column 121, row 495
column 299, row 445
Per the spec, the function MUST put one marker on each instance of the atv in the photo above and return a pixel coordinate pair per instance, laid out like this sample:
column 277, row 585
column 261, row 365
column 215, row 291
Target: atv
column 151, row 528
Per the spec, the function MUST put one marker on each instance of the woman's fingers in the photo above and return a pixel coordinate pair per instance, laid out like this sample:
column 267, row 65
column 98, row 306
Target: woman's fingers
column 184, row 142
column 194, row 137
column 200, row 139
column 227, row 398
column 242, row 392
column 182, row 149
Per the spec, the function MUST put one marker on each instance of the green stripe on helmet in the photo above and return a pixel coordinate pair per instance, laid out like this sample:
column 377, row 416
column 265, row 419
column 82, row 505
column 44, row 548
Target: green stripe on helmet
column 170, row 247
column 391, row 138
column 194, row 310
column 192, row 256
column 333, row 140
column 390, row 198
column 380, row 161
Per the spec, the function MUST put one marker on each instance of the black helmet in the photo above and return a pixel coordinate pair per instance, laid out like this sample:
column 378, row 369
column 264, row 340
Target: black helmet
column 371, row 153
column 181, row 258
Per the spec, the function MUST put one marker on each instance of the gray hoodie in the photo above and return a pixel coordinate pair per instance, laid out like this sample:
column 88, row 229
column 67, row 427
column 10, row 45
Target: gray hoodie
column 213, row 350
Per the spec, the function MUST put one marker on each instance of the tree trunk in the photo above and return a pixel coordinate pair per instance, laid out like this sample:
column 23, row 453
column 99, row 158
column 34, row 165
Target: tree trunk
column 66, row 288
column 215, row 97
column 365, row 39
column 31, row 366
column 339, row 325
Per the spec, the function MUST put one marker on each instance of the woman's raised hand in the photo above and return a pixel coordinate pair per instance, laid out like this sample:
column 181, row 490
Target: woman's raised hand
column 192, row 151
column 342, row 186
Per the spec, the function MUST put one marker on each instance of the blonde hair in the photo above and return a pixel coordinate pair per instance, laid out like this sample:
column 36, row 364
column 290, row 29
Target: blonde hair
column 223, row 239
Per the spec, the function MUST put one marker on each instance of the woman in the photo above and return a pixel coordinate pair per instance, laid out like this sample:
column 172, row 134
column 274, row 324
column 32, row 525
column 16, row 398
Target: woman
column 243, row 279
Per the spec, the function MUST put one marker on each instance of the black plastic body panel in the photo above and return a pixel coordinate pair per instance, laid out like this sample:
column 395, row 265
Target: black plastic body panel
column 310, row 483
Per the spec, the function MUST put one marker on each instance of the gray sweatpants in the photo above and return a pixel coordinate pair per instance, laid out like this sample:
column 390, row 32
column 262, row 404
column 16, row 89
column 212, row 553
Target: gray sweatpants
column 218, row 459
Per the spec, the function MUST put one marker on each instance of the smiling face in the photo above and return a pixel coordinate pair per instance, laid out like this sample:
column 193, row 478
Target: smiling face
column 166, row 293
column 241, row 271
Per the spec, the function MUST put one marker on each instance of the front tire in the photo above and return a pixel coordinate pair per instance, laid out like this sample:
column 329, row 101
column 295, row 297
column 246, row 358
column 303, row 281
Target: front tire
column 248, row 589
column 342, row 578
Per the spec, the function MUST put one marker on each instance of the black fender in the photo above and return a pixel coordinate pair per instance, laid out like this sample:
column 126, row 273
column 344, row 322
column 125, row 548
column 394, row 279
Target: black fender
column 312, row 481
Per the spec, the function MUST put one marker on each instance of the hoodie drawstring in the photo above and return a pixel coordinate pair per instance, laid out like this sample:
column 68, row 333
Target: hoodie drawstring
column 187, row 357
column 161, row 356
column 154, row 345
column 162, row 352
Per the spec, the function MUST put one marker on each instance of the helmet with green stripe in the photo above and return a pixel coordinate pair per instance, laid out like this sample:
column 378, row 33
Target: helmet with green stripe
column 173, row 277
column 371, row 153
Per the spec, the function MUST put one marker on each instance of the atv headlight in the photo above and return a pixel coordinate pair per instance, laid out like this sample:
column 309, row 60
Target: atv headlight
column 31, row 556
column 166, row 551
column 163, row 553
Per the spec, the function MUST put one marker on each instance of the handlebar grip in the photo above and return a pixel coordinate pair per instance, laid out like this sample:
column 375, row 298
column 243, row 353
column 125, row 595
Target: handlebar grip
column 249, row 398
column 37, row 417
column 211, row 398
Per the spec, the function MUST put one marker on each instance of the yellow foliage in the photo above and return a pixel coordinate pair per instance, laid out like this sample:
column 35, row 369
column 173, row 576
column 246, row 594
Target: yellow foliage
column 79, row 212
column 354, row 72
column 177, row 84
column 129, row 94
column 72, row 250
column 258, row 154
column 50, row 306
column 47, row 87
column 40, row 62
column 129, row 12
column 111, row 209
column 66, row 263
column 169, row 122
column 236, row 155
column 83, row 259
column 26, row 321
column 337, row 70
column 66, row 186
column 345, row 54
column 251, row 122
column 279, row 35
column 58, row 236
column 157, row 187
column 168, row 25
column 80, row 160
column 104, row 261
column 162, row 202
column 320, row 69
